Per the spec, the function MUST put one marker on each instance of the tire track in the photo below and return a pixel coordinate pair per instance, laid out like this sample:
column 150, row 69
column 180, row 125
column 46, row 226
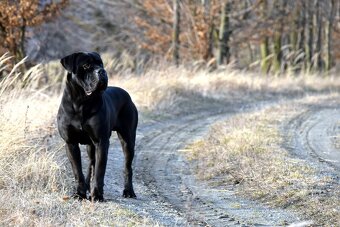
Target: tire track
column 161, row 167
column 165, row 172
column 311, row 136
column 320, row 136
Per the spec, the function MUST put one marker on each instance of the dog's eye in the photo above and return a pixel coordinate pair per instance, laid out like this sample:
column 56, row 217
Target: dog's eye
column 86, row 66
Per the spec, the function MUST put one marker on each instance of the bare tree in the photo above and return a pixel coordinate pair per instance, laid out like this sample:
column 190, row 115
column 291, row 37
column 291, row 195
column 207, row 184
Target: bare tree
column 309, row 35
column 317, row 26
column 328, row 34
column 176, row 31
column 224, row 34
column 280, row 7
column 265, row 40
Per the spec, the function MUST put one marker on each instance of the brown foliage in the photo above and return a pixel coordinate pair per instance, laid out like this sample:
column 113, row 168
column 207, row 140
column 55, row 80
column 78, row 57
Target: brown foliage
column 204, row 21
column 17, row 15
column 197, row 23
column 156, row 23
column 284, row 24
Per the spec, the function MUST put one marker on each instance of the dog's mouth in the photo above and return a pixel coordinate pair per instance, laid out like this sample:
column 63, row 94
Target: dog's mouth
column 88, row 93
column 90, row 88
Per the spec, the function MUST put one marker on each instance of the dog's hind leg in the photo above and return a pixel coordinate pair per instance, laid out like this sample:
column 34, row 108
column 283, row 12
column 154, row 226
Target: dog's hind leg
column 73, row 153
column 91, row 151
column 127, row 140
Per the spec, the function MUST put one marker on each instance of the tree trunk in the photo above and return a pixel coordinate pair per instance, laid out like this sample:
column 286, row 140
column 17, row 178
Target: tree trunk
column 277, row 52
column 278, row 35
column 210, row 48
column 176, row 32
column 251, row 54
column 328, row 35
column 295, row 27
column 21, row 51
column 264, row 46
column 224, row 35
column 309, row 35
column 302, row 26
column 264, row 55
column 209, row 51
column 317, row 21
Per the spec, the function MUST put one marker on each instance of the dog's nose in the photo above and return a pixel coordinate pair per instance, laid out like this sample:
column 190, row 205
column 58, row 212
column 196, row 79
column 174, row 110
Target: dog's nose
column 101, row 71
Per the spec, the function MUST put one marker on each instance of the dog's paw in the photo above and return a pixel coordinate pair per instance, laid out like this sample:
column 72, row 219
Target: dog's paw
column 79, row 196
column 129, row 194
column 96, row 196
column 97, row 199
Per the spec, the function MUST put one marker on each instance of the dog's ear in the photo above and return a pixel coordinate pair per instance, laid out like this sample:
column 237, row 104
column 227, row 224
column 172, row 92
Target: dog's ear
column 96, row 56
column 69, row 61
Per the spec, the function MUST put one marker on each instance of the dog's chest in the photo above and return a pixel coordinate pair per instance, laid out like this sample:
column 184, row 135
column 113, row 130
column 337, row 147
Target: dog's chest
column 79, row 115
column 78, row 120
column 76, row 124
column 72, row 130
column 74, row 118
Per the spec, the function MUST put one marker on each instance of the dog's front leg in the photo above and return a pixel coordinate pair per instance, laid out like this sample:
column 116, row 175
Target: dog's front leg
column 73, row 154
column 91, row 151
column 99, row 170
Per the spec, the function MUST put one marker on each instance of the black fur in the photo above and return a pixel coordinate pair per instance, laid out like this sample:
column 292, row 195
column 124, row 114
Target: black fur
column 88, row 113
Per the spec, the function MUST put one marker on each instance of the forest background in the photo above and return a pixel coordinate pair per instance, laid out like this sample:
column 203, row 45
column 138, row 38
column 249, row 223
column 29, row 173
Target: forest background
column 274, row 36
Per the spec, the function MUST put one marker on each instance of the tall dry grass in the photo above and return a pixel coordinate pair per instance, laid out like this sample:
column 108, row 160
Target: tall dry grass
column 172, row 90
column 32, row 166
column 34, row 172
column 35, row 175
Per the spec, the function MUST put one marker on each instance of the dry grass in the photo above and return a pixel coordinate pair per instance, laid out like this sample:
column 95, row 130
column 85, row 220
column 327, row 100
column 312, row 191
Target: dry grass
column 245, row 153
column 35, row 173
column 171, row 91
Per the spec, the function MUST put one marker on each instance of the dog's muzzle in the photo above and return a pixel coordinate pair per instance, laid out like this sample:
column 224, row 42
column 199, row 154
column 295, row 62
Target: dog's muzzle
column 96, row 81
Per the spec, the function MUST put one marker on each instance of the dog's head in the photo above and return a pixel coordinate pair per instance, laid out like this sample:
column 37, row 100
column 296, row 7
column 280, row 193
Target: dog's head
column 86, row 70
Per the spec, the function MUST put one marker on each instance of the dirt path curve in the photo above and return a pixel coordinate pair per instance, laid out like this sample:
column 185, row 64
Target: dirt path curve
column 314, row 133
column 313, row 136
column 166, row 188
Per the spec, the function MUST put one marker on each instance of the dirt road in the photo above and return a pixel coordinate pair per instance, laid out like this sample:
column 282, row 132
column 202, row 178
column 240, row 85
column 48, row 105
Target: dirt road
column 168, row 191
column 314, row 135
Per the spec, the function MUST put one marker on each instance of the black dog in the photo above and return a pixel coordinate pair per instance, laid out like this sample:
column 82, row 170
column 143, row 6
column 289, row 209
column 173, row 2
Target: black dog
column 88, row 113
